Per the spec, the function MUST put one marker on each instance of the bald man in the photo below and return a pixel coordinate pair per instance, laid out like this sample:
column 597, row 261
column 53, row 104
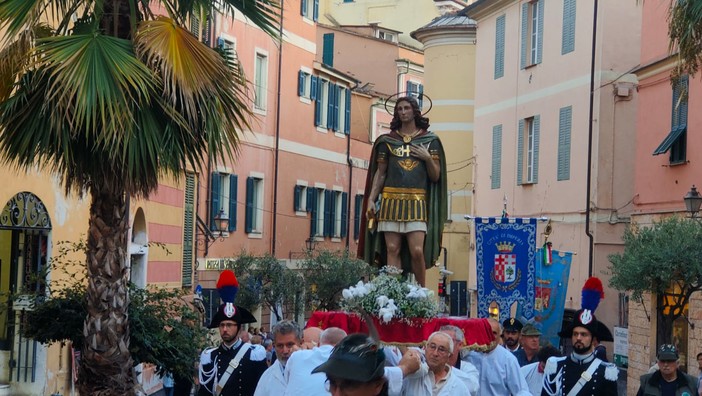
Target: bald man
column 310, row 337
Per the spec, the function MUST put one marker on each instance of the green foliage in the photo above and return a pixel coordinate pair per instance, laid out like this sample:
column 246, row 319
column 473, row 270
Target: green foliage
column 265, row 280
column 656, row 257
column 327, row 274
column 164, row 327
column 685, row 32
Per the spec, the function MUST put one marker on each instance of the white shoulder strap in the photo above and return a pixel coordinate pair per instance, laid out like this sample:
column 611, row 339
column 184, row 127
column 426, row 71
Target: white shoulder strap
column 233, row 364
column 585, row 377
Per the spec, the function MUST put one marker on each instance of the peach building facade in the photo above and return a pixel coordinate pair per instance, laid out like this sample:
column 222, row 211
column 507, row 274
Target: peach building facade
column 532, row 126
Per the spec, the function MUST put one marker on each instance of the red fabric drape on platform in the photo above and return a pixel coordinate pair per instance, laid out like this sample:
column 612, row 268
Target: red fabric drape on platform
column 406, row 331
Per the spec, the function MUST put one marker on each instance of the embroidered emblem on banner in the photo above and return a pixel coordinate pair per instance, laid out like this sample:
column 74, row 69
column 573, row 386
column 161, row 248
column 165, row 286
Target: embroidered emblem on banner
column 505, row 274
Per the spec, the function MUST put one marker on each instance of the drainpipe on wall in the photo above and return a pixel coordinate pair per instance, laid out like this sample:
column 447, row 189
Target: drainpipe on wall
column 277, row 133
column 588, row 232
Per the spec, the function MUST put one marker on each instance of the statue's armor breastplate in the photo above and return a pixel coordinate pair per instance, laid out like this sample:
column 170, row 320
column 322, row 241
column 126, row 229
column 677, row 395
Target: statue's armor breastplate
column 406, row 182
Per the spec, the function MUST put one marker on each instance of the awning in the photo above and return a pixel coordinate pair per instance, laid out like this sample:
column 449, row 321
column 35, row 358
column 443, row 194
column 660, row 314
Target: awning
column 674, row 134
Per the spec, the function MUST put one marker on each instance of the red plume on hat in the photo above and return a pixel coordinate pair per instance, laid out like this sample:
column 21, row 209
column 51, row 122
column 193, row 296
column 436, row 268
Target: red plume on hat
column 227, row 287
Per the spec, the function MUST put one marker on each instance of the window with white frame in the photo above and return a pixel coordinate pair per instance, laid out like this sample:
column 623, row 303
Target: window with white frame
column 415, row 90
column 387, row 36
column 309, row 9
column 338, row 211
column 528, row 150
column 304, row 84
column 260, row 81
column 342, row 110
column 254, row 205
column 532, row 33
column 319, row 209
column 300, row 198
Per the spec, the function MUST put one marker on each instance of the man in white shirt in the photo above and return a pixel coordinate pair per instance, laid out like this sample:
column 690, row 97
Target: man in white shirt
column 534, row 372
column 298, row 370
column 287, row 336
column 440, row 379
column 499, row 369
column 468, row 373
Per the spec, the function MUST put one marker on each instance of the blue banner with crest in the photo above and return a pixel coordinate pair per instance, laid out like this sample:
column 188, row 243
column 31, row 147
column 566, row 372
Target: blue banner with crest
column 550, row 293
column 506, row 263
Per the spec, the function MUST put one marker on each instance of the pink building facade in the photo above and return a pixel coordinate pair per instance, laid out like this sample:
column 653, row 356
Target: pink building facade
column 666, row 168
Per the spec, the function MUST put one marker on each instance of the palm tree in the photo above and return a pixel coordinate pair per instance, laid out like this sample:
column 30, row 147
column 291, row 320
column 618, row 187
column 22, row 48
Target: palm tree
column 111, row 97
column 685, row 31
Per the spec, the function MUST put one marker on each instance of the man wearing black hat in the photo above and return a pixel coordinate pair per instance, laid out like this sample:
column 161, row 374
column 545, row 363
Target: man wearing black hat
column 668, row 380
column 234, row 367
column 581, row 373
column 510, row 334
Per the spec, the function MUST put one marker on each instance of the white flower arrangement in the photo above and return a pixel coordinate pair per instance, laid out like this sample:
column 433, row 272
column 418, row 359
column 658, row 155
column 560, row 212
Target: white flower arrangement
column 388, row 297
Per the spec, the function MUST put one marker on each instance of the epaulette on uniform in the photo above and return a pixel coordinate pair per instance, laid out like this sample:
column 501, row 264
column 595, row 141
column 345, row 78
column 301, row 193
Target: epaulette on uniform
column 258, row 353
column 552, row 365
column 611, row 372
column 206, row 356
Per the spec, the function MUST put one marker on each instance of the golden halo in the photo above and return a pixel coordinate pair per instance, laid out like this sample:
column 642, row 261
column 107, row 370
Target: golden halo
column 423, row 96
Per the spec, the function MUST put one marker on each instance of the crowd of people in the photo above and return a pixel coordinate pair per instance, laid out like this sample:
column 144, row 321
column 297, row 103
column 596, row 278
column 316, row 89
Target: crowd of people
column 290, row 361
column 330, row 362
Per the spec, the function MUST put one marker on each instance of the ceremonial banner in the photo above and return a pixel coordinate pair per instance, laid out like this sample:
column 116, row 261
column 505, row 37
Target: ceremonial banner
column 506, row 254
column 551, row 288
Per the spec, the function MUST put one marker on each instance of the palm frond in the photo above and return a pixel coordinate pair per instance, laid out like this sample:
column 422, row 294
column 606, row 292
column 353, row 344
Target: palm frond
column 95, row 78
column 191, row 71
column 685, row 32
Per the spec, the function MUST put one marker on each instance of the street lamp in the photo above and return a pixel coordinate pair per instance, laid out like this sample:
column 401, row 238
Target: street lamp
column 693, row 201
column 221, row 221
column 310, row 243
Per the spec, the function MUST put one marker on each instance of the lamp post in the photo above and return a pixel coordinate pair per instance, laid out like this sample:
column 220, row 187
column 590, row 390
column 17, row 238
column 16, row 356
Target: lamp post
column 310, row 244
column 693, row 201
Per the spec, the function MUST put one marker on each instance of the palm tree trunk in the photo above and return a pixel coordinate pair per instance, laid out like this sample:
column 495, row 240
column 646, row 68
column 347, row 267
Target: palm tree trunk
column 106, row 366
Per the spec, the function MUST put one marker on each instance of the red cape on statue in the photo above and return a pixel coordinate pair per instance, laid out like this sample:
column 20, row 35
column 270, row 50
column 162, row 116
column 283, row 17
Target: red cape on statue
column 410, row 332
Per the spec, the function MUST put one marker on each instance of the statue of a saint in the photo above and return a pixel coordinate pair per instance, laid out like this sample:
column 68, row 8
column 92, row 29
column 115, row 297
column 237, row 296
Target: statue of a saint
column 405, row 196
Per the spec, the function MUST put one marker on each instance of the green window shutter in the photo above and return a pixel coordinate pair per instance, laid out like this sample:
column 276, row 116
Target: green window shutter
column 330, row 106
column 565, row 123
column 188, row 230
column 315, row 11
column 520, row 152
column 311, row 194
column 248, row 227
column 568, row 36
column 313, row 87
column 525, row 31
column 318, row 103
column 537, row 128
column 540, row 39
column 329, row 213
column 297, row 198
column 314, row 212
column 300, row 83
column 233, row 192
column 337, row 99
column 358, row 202
column 420, row 96
column 344, row 214
column 500, row 47
column 303, row 7
column 215, row 191
column 347, row 118
column 496, row 174
column 328, row 49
